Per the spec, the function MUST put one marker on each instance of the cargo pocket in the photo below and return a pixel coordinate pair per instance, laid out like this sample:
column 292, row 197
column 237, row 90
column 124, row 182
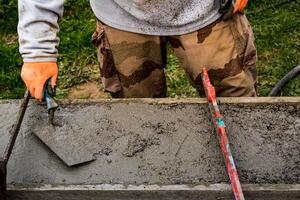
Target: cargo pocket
column 109, row 74
column 245, row 44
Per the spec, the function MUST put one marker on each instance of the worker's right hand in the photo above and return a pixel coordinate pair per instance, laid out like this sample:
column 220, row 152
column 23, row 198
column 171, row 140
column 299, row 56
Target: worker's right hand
column 35, row 75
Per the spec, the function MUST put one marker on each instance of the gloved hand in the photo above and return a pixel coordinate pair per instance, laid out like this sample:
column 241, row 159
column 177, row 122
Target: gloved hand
column 230, row 7
column 35, row 75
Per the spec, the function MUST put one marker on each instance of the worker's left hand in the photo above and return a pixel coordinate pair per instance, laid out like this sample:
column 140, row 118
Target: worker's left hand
column 231, row 7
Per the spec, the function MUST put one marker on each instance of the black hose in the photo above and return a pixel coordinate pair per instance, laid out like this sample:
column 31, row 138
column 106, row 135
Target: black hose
column 289, row 76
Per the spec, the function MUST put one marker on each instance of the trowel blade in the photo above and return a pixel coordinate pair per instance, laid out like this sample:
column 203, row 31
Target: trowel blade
column 66, row 144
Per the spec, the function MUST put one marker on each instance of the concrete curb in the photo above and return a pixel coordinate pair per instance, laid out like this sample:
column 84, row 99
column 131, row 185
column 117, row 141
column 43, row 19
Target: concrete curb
column 147, row 192
column 158, row 141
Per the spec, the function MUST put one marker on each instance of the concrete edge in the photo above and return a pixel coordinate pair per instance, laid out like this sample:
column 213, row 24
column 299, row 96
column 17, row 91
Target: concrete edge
column 154, row 192
column 141, row 188
column 227, row 100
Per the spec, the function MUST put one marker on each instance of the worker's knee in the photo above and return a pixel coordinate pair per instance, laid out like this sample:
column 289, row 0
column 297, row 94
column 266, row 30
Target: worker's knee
column 151, row 85
column 240, row 85
column 131, row 64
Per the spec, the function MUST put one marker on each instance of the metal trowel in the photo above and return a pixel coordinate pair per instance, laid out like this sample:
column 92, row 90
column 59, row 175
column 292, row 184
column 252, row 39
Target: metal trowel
column 70, row 148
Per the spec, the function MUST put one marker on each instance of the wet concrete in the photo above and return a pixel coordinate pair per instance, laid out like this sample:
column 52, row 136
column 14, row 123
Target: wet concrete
column 158, row 142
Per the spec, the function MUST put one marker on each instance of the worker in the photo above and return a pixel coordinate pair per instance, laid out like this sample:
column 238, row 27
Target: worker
column 131, row 38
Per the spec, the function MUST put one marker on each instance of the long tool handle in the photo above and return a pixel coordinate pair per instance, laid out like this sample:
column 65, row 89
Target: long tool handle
column 219, row 123
column 16, row 127
column 7, row 153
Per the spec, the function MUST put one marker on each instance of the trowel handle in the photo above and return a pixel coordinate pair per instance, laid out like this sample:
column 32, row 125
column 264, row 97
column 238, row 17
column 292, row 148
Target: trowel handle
column 49, row 93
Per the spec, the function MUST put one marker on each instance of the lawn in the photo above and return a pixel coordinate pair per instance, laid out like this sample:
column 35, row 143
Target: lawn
column 276, row 24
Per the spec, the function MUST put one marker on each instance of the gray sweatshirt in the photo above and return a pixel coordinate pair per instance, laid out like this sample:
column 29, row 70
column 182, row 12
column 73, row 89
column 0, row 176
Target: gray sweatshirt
column 38, row 20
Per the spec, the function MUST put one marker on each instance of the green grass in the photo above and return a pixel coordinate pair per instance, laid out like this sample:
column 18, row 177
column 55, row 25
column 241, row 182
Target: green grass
column 10, row 61
column 177, row 81
column 78, row 59
column 277, row 31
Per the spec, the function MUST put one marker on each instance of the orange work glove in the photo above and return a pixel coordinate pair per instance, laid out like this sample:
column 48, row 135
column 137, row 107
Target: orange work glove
column 231, row 7
column 239, row 5
column 35, row 75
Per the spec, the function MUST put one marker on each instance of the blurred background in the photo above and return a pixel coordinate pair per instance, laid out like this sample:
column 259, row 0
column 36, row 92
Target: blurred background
column 276, row 25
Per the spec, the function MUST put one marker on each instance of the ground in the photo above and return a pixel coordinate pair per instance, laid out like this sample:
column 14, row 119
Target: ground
column 276, row 24
column 88, row 90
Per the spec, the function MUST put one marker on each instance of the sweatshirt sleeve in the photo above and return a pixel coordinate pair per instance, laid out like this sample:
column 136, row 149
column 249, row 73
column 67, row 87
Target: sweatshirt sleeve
column 38, row 29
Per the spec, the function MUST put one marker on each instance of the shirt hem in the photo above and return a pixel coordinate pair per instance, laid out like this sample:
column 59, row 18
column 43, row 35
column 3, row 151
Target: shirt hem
column 155, row 30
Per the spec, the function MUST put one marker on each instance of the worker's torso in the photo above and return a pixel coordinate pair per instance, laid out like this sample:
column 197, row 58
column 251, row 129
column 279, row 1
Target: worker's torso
column 157, row 17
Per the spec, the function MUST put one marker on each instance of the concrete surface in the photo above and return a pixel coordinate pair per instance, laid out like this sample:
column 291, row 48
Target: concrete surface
column 165, row 142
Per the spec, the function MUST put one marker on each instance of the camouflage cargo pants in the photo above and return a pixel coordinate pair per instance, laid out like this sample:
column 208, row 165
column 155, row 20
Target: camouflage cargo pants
column 132, row 65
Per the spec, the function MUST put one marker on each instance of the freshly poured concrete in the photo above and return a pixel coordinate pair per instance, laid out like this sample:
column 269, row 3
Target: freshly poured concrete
column 160, row 142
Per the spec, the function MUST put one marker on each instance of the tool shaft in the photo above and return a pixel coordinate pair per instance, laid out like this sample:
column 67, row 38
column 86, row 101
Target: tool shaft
column 220, row 127
column 8, row 150
column 2, row 180
column 16, row 127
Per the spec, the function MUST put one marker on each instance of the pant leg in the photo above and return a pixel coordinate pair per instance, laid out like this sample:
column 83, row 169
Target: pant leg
column 227, row 50
column 131, row 64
